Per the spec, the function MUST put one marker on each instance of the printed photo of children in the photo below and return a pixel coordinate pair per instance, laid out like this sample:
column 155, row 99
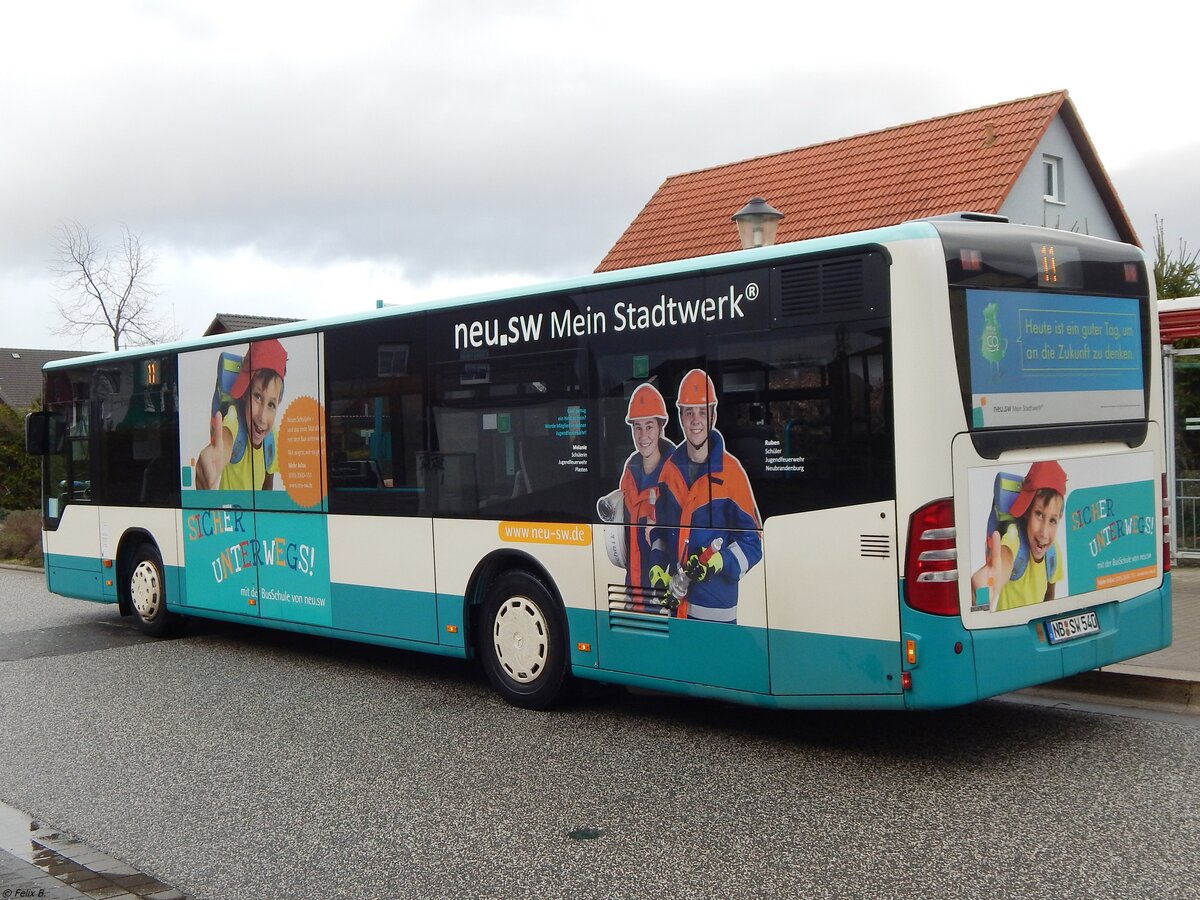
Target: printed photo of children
column 640, row 481
column 635, row 501
column 241, row 452
column 1024, row 562
column 709, row 531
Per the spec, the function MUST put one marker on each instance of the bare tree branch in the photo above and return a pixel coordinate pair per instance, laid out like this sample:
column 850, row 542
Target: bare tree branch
column 107, row 288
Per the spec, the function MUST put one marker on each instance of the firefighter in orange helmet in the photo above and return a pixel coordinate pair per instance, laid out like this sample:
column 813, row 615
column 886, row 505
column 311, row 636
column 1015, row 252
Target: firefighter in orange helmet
column 647, row 419
column 715, row 531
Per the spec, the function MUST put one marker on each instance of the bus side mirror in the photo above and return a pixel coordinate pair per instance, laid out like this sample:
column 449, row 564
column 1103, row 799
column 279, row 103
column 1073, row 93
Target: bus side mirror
column 37, row 433
column 43, row 433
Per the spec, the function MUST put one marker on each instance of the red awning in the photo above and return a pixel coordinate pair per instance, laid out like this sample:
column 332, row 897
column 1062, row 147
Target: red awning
column 1174, row 324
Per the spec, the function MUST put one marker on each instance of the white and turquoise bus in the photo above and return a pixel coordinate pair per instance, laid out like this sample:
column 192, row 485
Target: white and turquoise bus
column 903, row 468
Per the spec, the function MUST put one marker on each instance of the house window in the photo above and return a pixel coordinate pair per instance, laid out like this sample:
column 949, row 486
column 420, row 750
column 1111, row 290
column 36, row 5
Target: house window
column 1052, row 186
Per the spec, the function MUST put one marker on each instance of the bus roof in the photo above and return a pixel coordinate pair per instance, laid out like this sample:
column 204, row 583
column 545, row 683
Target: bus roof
column 917, row 229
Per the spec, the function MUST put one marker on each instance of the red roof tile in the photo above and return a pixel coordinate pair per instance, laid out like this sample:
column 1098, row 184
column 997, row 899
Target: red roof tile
column 965, row 161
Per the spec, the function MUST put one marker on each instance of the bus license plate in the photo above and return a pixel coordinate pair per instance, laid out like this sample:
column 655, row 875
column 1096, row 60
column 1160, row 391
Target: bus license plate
column 1071, row 627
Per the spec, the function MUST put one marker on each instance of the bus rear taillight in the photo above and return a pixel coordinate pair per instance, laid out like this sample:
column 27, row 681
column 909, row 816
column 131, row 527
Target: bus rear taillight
column 1166, row 531
column 931, row 564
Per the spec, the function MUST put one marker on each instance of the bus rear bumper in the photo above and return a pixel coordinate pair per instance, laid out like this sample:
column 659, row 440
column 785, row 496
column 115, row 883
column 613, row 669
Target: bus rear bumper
column 1020, row 656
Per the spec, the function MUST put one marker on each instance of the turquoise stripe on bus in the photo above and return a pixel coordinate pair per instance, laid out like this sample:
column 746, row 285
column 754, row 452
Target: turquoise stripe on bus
column 175, row 587
column 80, row 577
column 942, row 675
column 741, row 657
column 387, row 611
column 681, row 650
column 997, row 660
column 581, row 623
column 381, row 640
column 807, row 663
column 746, row 698
column 450, row 608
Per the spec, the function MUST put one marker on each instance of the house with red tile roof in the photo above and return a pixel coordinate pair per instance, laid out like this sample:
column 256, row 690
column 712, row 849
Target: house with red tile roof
column 1030, row 160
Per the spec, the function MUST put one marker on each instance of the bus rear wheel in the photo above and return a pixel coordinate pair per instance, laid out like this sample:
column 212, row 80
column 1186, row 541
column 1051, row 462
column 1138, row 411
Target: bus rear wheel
column 523, row 641
column 148, row 594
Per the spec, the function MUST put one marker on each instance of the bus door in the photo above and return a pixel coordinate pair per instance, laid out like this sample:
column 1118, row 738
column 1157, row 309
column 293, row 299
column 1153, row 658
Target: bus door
column 380, row 533
column 252, row 445
column 681, row 591
column 702, row 618
column 286, row 425
column 680, row 580
column 218, row 518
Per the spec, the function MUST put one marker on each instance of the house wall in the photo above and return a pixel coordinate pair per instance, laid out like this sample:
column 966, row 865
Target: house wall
column 1082, row 209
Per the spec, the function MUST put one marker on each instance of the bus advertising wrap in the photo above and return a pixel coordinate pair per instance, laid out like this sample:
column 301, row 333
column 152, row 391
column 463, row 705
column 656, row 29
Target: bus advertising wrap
column 1056, row 528
column 683, row 522
column 1040, row 359
column 252, row 463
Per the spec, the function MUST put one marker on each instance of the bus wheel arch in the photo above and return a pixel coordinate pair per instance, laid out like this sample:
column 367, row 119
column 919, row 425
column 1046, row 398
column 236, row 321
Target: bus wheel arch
column 519, row 630
column 142, row 588
column 127, row 546
column 493, row 566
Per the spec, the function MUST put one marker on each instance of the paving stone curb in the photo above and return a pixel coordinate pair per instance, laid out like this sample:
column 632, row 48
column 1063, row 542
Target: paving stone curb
column 42, row 862
column 1164, row 690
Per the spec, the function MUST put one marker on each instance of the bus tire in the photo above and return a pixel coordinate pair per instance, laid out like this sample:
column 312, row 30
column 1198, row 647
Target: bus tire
column 148, row 594
column 523, row 640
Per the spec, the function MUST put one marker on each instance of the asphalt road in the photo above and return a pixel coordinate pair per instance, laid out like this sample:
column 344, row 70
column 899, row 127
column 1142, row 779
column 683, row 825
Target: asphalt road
column 238, row 762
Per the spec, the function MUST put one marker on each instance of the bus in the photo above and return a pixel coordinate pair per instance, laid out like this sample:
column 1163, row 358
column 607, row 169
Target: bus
column 905, row 468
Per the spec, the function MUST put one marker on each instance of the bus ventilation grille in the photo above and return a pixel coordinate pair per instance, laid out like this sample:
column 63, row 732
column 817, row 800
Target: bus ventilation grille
column 823, row 288
column 633, row 609
column 878, row 546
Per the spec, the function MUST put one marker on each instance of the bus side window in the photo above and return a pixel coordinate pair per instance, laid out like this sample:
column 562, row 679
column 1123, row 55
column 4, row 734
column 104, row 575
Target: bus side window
column 137, row 434
column 375, row 417
column 68, row 475
column 508, row 432
column 808, row 412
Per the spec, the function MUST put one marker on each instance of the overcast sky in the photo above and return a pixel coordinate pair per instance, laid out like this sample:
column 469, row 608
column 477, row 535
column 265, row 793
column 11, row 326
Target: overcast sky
column 284, row 161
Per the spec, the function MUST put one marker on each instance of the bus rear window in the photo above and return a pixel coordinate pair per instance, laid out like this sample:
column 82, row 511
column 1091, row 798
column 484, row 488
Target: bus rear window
column 1039, row 358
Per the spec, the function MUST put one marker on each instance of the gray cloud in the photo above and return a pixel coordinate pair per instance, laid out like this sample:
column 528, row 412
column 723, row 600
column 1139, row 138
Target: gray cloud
column 1166, row 185
column 450, row 142
column 459, row 170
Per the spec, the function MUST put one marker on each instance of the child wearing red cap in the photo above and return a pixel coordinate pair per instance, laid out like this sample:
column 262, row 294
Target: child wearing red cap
column 240, row 451
column 1038, row 510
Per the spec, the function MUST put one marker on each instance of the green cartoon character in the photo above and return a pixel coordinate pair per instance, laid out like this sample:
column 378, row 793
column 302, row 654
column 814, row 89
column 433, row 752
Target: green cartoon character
column 991, row 344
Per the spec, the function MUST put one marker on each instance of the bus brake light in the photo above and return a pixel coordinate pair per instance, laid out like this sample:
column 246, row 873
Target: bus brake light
column 1166, row 526
column 931, row 562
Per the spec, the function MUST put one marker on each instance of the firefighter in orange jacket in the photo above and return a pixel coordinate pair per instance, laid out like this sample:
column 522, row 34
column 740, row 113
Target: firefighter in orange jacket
column 709, row 519
column 646, row 417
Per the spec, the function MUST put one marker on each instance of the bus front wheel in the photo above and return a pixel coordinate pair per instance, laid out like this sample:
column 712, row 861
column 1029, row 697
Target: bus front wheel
column 148, row 594
column 523, row 641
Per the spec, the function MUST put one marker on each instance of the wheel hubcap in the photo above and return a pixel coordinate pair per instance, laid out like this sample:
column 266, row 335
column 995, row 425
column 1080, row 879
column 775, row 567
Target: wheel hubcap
column 521, row 639
column 145, row 590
